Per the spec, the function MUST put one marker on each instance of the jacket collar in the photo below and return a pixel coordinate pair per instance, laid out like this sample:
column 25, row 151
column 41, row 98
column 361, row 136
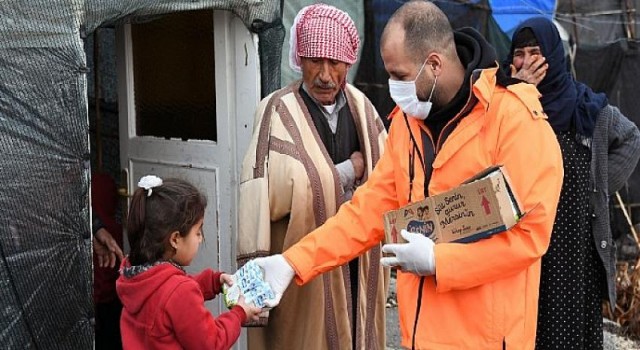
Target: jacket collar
column 484, row 84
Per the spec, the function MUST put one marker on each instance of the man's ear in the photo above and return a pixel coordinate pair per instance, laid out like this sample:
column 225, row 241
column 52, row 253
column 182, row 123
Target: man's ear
column 174, row 239
column 434, row 63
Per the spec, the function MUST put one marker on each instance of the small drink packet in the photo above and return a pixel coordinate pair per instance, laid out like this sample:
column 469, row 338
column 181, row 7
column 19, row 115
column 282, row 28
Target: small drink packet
column 248, row 281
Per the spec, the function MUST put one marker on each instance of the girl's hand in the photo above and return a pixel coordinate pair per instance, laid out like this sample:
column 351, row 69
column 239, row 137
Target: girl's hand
column 251, row 311
column 226, row 279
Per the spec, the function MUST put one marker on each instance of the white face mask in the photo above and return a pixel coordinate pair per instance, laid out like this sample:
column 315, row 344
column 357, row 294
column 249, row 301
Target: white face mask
column 404, row 95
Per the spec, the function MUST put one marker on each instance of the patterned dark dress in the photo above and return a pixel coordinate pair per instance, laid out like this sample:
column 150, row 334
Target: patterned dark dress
column 570, row 305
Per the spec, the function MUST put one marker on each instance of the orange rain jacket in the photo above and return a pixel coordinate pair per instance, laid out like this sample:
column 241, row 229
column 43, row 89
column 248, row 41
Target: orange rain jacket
column 484, row 295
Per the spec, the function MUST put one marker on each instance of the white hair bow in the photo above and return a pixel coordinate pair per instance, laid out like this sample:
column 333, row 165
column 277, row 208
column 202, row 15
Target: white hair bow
column 148, row 182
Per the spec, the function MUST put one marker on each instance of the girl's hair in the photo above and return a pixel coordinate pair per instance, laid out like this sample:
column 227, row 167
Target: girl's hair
column 176, row 205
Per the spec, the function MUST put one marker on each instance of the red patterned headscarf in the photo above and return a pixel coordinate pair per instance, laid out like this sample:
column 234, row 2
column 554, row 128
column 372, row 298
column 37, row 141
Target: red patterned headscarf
column 323, row 31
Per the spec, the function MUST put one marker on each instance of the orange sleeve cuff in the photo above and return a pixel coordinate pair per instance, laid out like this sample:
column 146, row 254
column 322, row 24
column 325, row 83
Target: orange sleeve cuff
column 296, row 263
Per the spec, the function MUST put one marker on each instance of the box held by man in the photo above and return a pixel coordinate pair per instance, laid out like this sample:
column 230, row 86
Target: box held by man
column 479, row 208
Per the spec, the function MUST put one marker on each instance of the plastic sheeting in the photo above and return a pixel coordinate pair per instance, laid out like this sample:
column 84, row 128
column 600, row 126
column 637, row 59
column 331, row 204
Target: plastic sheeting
column 45, row 254
column 598, row 23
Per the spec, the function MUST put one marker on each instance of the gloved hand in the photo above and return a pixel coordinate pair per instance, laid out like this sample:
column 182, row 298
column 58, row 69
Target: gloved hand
column 278, row 273
column 416, row 256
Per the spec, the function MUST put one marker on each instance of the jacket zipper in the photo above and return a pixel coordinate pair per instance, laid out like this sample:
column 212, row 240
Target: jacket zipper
column 436, row 149
column 466, row 109
column 419, row 304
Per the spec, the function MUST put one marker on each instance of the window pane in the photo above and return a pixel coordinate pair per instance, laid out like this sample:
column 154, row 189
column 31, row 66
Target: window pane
column 174, row 78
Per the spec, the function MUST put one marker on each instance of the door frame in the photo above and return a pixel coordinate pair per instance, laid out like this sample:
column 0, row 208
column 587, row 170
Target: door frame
column 237, row 85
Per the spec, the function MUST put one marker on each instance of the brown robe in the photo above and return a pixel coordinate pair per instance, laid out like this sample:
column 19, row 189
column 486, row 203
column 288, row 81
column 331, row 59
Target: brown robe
column 289, row 186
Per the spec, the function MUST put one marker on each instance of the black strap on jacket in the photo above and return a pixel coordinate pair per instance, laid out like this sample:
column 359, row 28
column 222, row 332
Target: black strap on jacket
column 427, row 177
column 412, row 157
column 418, row 305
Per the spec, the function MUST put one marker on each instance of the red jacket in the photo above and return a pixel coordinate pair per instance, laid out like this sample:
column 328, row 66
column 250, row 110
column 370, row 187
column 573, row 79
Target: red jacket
column 164, row 309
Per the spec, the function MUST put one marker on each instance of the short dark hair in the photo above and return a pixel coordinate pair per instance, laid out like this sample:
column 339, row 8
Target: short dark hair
column 176, row 205
column 426, row 28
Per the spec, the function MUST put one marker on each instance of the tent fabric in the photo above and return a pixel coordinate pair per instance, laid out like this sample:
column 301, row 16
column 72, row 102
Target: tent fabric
column 45, row 253
column 598, row 23
column 371, row 77
column 480, row 16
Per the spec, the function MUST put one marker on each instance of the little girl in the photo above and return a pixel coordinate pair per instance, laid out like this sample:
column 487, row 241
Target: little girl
column 163, row 305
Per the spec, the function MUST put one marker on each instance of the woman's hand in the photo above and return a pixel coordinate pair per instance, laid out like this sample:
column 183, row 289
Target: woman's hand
column 533, row 70
column 106, row 249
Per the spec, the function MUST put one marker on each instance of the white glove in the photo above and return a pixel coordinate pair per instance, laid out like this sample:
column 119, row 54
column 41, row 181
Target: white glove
column 278, row 273
column 415, row 256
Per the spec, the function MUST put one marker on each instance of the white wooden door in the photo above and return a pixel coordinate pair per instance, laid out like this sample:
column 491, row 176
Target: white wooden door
column 171, row 126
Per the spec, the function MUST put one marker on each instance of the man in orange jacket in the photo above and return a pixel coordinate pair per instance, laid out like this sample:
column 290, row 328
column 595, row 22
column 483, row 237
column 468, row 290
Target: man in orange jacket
column 457, row 114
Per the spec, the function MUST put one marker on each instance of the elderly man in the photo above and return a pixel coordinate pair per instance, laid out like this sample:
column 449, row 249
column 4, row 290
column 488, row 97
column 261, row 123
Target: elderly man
column 456, row 115
column 313, row 142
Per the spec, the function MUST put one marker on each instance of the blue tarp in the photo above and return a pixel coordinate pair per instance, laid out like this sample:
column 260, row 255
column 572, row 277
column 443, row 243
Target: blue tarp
column 509, row 13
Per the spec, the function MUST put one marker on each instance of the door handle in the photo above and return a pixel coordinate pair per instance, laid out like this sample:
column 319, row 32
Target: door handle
column 123, row 190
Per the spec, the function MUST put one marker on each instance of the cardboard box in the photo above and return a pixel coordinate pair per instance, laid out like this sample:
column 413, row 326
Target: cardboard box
column 482, row 206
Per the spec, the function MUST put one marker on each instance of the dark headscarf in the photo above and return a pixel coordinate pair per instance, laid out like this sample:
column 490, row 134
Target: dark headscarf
column 567, row 102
